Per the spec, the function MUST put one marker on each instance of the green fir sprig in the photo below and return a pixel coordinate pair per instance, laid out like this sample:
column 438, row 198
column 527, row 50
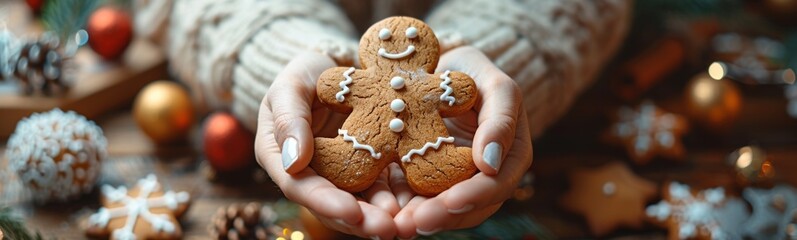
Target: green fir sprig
column 13, row 228
column 499, row 226
column 66, row 17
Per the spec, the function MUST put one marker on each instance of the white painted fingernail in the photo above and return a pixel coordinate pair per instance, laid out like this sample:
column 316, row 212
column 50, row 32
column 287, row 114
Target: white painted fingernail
column 375, row 237
column 407, row 238
column 492, row 155
column 463, row 209
column 426, row 233
column 290, row 152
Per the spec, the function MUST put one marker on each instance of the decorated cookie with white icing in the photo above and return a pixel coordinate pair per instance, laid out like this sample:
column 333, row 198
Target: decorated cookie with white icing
column 146, row 211
column 648, row 132
column 396, row 104
column 691, row 214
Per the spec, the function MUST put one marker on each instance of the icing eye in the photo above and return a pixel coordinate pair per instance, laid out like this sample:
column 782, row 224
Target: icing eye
column 384, row 34
column 411, row 32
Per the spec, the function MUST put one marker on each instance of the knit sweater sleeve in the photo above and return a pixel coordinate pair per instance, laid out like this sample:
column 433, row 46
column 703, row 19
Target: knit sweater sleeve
column 228, row 52
column 551, row 48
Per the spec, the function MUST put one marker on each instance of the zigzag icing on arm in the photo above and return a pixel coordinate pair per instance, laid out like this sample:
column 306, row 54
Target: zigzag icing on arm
column 446, row 96
column 358, row 145
column 344, row 85
column 422, row 150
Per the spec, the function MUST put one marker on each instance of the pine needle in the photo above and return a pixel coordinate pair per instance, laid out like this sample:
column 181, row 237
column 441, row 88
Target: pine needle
column 66, row 17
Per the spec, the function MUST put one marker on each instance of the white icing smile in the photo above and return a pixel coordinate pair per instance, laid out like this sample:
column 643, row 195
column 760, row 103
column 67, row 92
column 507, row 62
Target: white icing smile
column 383, row 53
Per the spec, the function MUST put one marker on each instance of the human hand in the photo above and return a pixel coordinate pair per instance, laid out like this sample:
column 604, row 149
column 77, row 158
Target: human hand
column 497, row 129
column 290, row 115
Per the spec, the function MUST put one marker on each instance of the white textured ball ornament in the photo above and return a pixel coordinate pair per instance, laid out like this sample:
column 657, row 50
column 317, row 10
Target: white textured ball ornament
column 57, row 155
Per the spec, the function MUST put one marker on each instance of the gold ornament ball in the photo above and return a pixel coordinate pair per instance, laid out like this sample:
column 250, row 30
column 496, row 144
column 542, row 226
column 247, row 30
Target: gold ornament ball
column 163, row 110
column 713, row 103
column 752, row 166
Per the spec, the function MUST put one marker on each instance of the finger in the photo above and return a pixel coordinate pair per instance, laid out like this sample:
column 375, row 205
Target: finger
column 404, row 220
column 290, row 98
column 305, row 187
column 398, row 184
column 498, row 106
column 380, row 194
column 483, row 190
column 336, row 225
column 431, row 217
column 377, row 224
column 472, row 219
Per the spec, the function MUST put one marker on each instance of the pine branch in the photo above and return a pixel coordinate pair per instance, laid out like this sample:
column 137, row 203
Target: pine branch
column 13, row 228
column 66, row 17
column 499, row 227
column 286, row 210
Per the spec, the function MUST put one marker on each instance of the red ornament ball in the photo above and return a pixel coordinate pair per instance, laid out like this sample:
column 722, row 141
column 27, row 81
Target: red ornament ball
column 36, row 7
column 227, row 144
column 110, row 32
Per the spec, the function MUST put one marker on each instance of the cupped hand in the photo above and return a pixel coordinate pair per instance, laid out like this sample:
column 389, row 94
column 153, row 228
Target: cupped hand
column 498, row 131
column 290, row 115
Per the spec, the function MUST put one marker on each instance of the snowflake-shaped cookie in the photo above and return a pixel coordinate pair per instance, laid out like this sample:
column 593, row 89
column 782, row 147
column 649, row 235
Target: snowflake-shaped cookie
column 647, row 132
column 771, row 211
column 708, row 214
column 144, row 212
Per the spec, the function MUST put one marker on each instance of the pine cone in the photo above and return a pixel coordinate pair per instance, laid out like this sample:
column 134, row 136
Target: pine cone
column 39, row 67
column 239, row 221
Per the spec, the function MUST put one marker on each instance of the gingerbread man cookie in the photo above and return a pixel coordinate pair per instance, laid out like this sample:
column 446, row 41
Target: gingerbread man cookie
column 397, row 108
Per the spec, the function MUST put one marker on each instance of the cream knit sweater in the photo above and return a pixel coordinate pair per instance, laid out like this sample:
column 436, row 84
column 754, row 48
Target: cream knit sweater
column 229, row 51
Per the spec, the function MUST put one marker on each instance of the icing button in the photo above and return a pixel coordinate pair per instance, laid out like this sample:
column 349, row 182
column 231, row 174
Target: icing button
column 397, row 105
column 397, row 82
column 396, row 125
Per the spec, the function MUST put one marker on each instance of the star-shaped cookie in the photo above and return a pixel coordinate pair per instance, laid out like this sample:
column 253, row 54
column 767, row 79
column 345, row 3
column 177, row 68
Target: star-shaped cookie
column 647, row 132
column 609, row 197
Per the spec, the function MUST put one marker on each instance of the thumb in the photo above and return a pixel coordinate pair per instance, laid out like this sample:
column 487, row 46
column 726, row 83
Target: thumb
column 498, row 106
column 290, row 100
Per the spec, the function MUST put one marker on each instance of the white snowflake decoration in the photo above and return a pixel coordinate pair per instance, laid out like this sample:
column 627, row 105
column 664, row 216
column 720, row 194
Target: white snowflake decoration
column 57, row 154
column 767, row 221
column 694, row 213
column 791, row 95
column 648, row 131
column 133, row 208
column 646, row 128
